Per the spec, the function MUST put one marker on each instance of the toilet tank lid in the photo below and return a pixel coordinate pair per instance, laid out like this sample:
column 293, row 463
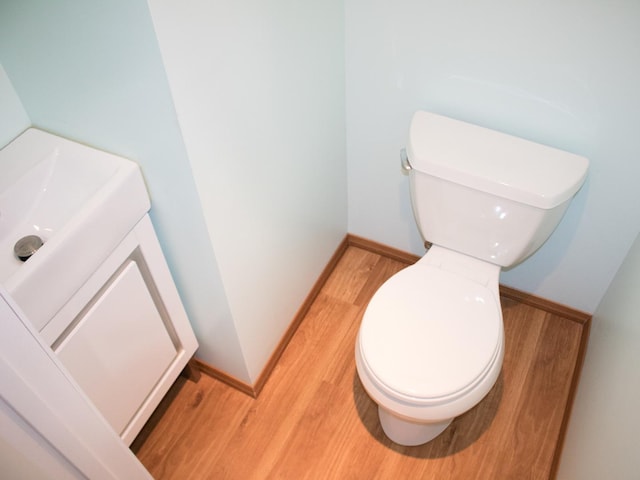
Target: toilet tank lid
column 494, row 162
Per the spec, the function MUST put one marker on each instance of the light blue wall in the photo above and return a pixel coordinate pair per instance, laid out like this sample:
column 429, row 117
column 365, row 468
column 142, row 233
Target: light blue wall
column 602, row 438
column 91, row 71
column 13, row 117
column 564, row 73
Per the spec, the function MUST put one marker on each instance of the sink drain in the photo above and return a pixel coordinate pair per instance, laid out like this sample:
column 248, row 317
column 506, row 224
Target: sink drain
column 27, row 246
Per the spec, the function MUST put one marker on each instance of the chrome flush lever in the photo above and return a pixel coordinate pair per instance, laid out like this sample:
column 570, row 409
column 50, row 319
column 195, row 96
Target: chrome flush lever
column 404, row 160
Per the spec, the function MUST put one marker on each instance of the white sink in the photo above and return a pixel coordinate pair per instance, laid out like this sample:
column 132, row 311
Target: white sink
column 80, row 201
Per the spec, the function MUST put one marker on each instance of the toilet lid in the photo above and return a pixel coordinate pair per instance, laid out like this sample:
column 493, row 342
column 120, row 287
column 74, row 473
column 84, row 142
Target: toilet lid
column 429, row 333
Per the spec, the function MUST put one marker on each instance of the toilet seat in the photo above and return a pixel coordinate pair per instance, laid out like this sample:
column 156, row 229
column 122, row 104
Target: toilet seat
column 429, row 336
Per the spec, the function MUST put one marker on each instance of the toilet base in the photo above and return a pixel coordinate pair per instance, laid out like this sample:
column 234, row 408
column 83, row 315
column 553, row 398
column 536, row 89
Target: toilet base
column 408, row 433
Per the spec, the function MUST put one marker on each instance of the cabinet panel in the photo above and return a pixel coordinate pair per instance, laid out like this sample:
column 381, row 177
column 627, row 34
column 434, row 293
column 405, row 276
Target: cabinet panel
column 119, row 348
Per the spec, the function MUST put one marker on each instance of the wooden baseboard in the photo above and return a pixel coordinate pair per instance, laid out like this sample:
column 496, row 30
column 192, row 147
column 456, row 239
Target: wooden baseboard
column 381, row 249
column 394, row 254
column 546, row 305
column 213, row 372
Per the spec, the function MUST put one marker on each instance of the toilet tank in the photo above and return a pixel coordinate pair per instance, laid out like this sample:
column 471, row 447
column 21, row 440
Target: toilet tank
column 487, row 194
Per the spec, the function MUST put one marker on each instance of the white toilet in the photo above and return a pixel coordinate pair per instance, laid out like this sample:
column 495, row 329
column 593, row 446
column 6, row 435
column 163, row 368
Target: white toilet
column 431, row 342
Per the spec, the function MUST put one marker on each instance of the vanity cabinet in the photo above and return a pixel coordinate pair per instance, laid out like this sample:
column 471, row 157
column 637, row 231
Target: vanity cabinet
column 98, row 290
column 124, row 336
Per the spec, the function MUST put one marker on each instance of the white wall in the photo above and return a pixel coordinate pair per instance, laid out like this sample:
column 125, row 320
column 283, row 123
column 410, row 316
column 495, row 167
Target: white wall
column 259, row 91
column 92, row 71
column 13, row 117
column 602, row 439
column 561, row 73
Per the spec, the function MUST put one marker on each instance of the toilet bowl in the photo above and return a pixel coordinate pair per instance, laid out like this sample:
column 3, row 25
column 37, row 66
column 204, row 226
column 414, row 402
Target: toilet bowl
column 431, row 341
column 431, row 344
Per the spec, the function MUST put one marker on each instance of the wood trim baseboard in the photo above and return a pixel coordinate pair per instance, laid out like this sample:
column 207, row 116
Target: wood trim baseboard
column 546, row 305
column 382, row 249
column 233, row 382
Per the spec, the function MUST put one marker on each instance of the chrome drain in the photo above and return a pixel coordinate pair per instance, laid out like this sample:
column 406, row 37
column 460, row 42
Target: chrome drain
column 27, row 246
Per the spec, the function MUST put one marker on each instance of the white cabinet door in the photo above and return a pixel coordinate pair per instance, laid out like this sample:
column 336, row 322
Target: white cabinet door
column 119, row 348
column 48, row 427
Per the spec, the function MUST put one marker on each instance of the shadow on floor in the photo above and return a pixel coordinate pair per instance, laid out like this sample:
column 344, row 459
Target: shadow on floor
column 463, row 431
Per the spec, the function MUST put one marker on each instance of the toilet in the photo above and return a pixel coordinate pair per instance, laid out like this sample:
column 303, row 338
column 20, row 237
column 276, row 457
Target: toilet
column 431, row 341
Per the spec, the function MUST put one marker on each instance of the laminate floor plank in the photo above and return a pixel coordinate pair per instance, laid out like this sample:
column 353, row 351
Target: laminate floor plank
column 383, row 269
column 313, row 419
column 352, row 272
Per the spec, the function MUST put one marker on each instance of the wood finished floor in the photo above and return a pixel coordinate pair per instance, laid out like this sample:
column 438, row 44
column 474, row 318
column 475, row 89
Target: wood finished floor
column 314, row 421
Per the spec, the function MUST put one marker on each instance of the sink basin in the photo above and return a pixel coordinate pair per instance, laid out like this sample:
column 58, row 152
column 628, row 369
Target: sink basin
column 79, row 200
